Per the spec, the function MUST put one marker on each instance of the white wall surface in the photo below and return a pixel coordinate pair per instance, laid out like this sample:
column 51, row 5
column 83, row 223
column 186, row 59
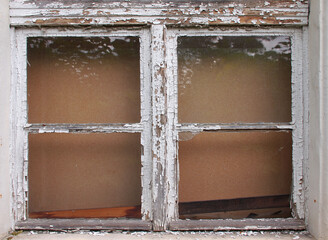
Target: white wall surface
column 4, row 117
column 317, row 202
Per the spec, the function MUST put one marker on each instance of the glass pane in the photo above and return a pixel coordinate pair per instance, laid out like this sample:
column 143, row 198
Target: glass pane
column 234, row 79
column 96, row 175
column 235, row 174
column 83, row 80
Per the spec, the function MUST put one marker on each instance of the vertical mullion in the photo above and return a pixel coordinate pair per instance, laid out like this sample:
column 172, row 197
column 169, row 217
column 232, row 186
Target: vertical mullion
column 171, row 131
column 297, row 119
column 159, row 100
column 19, row 152
column 146, row 134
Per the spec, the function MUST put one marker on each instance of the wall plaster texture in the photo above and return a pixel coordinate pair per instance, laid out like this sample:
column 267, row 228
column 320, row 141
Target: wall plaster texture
column 5, row 220
column 317, row 191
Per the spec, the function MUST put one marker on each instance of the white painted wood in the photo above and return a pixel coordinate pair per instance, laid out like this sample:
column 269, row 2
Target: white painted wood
column 172, row 178
column 146, row 135
column 83, row 224
column 19, row 120
column 298, row 106
column 270, row 12
column 84, row 128
column 297, row 119
column 21, row 128
column 159, row 127
column 305, row 119
column 200, row 127
column 239, row 224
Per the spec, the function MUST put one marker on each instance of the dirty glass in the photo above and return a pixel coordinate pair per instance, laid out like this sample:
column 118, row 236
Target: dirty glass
column 234, row 79
column 84, row 175
column 235, row 174
column 83, row 79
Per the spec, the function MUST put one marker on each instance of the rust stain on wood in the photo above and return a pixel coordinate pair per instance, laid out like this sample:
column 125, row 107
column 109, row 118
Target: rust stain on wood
column 86, row 12
column 128, row 21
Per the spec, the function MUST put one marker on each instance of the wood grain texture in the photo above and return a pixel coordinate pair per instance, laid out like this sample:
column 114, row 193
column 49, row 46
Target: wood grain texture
column 72, row 12
column 243, row 224
column 234, row 204
column 83, row 224
column 118, row 212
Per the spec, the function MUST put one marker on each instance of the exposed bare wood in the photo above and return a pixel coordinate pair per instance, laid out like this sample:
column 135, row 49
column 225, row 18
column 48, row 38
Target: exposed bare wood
column 117, row 212
column 199, row 127
column 83, row 128
column 260, row 12
column 146, row 134
column 83, row 224
column 163, row 183
column 159, row 99
column 234, row 204
column 244, row 224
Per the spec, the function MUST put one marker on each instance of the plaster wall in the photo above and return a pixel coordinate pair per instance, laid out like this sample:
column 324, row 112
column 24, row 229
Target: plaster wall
column 317, row 200
column 5, row 223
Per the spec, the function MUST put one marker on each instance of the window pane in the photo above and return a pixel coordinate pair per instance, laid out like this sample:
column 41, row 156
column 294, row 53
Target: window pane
column 234, row 79
column 250, row 169
column 83, row 80
column 82, row 172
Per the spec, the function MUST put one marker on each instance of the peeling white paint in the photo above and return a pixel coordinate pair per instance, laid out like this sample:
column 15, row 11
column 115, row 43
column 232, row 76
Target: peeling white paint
column 296, row 126
column 21, row 129
column 146, row 134
column 23, row 12
column 159, row 126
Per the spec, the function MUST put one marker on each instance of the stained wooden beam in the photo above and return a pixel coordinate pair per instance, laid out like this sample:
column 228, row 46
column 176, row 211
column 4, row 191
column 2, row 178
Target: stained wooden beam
column 237, row 204
column 117, row 212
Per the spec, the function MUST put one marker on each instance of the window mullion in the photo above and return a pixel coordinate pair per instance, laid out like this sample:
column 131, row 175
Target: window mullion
column 84, row 128
column 146, row 125
column 159, row 120
column 199, row 127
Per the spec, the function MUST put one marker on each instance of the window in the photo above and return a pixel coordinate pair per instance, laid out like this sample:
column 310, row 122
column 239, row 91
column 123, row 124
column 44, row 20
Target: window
column 159, row 125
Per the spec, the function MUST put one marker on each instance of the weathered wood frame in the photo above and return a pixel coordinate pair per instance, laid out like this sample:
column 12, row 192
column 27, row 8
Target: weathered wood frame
column 299, row 105
column 157, row 23
column 21, row 127
column 160, row 135
column 165, row 12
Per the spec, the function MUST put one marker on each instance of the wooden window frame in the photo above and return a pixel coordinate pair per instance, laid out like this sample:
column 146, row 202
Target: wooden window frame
column 159, row 129
column 297, row 126
column 22, row 128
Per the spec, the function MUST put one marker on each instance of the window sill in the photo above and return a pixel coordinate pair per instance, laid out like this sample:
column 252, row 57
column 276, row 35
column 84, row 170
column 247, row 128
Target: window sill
column 180, row 225
column 86, row 235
